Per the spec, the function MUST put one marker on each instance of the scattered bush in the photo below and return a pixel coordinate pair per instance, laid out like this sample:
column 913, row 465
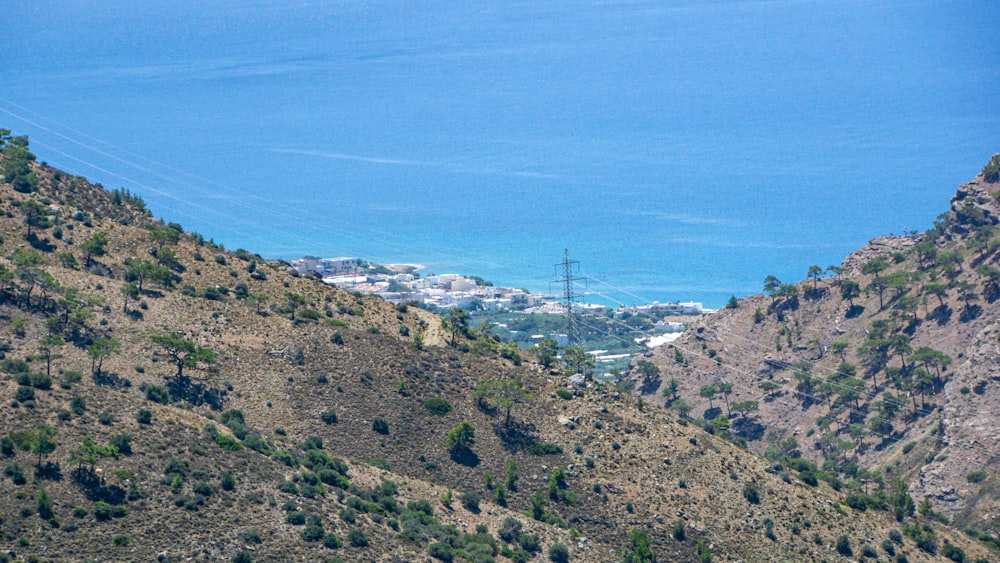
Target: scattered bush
column 144, row 416
column 438, row 406
column 157, row 394
column 78, row 405
column 559, row 553
column 202, row 488
column 442, row 551
column 751, row 493
column 976, row 476
column 329, row 416
column 41, row 381
column 470, row 500
column 357, row 538
column 227, row 442
column 312, row 532
column 312, row 443
column 296, row 518
column 380, row 425
column 954, row 553
column 102, row 511
column 347, row 514
column 844, row 546
column 678, row 531
column 24, row 394
column 331, row 541
column 544, row 448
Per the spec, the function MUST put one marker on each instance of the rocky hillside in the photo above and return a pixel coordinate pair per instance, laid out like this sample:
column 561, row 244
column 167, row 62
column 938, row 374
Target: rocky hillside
column 882, row 368
column 166, row 398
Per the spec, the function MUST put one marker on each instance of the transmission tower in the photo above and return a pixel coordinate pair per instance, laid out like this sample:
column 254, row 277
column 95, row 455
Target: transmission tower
column 569, row 297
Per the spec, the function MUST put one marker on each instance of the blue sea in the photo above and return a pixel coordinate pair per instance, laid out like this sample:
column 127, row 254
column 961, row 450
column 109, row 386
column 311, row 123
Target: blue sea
column 678, row 150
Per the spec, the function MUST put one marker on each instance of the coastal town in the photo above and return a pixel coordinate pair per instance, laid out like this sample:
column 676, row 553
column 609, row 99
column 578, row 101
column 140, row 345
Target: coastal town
column 403, row 283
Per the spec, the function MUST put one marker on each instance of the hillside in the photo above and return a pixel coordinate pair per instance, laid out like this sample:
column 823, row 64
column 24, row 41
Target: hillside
column 883, row 367
column 168, row 399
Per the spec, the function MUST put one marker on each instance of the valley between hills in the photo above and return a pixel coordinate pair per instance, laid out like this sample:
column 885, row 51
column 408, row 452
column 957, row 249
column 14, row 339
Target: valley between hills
column 166, row 398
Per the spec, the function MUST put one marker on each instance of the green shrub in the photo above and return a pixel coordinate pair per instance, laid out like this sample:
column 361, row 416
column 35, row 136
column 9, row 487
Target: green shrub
column 357, row 538
column 312, row 532
column 438, row 406
column 751, row 493
column 565, row 394
column 227, row 442
column 286, row 457
column 952, row 552
column 678, row 531
column 857, row 502
column 544, row 448
column 43, row 504
column 102, row 510
column 24, row 394
column 120, row 540
column 157, row 394
column 421, row 505
column 442, row 551
column 347, row 514
column 530, row 542
column 41, row 381
column 976, row 476
column 202, row 488
column 331, row 541
column 470, row 500
column 15, row 473
column 69, row 377
column 250, row 535
column 559, row 553
column 144, row 416
column 844, row 546
column 329, row 416
column 296, row 518
column 380, row 425
column 243, row 556
column 106, row 418
column 312, row 443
